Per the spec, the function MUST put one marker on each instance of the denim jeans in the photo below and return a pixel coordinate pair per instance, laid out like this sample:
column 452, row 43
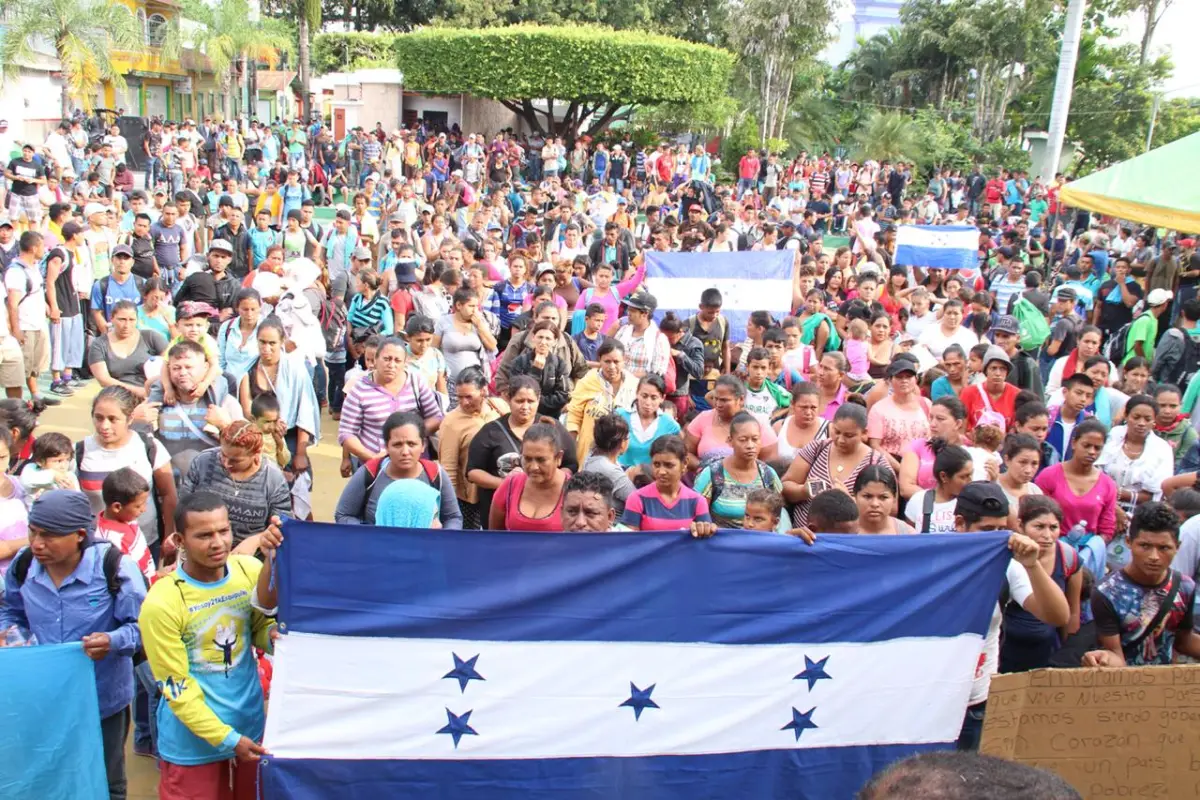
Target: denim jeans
column 113, row 731
column 972, row 727
column 744, row 185
column 233, row 169
column 337, row 381
column 145, row 709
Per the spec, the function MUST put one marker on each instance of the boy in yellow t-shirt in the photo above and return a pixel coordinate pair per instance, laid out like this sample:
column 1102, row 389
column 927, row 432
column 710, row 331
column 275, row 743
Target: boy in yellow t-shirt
column 200, row 625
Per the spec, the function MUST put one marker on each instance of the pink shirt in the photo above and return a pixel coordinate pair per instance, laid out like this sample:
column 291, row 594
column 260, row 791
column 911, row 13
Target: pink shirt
column 718, row 445
column 508, row 499
column 893, row 425
column 1097, row 508
column 611, row 300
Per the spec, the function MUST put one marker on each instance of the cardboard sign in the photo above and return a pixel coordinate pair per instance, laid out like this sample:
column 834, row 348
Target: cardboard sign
column 1131, row 732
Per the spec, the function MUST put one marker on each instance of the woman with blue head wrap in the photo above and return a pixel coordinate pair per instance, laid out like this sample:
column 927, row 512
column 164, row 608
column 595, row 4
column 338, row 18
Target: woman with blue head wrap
column 408, row 503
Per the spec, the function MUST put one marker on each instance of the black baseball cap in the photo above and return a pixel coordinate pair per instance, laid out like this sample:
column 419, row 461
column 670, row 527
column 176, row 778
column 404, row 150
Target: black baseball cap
column 982, row 499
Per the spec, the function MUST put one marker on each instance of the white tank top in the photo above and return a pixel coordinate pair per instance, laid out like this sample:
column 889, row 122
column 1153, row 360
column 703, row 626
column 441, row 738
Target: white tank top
column 786, row 451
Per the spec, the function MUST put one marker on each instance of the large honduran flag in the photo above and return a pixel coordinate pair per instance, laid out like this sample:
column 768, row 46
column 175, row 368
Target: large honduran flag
column 447, row 664
column 937, row 246
column 749, row 281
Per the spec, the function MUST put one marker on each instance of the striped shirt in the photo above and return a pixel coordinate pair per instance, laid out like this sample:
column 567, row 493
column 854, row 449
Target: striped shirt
column 507, row 301
column 128, row 538
column 369, row 314
column 369, row 405
column 96, row 462
column 645, row 510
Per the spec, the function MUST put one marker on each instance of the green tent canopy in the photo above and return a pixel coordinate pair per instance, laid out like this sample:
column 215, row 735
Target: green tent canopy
column 1159, row 188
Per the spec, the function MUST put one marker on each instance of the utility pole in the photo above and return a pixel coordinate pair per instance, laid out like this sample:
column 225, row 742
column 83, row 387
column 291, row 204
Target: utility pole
column 1153, row 119
column 1060, row 108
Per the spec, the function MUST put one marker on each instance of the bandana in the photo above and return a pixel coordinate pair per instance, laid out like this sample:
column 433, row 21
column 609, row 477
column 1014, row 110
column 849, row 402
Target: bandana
column 62, row 512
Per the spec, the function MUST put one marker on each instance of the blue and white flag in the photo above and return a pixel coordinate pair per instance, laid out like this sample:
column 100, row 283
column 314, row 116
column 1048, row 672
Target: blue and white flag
column 524, row 665
column 50, row 724
column 749, row 281
column 937, row 246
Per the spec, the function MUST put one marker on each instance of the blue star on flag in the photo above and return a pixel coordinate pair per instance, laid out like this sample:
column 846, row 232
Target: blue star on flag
column 639, row 700
column 464, row 671
column 800, row 722
column 457, row 726
column 813, row 671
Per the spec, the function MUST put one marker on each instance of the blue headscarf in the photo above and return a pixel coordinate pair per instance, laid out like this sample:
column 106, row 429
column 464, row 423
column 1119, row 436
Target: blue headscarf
column 62, row 512
column 408, row 503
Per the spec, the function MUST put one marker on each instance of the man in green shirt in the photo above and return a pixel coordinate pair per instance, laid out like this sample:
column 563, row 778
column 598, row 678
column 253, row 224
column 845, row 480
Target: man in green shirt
column 1144, row 331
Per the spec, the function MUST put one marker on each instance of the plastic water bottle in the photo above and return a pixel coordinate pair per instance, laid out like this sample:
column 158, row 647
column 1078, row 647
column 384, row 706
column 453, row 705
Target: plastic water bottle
column 1077, row 533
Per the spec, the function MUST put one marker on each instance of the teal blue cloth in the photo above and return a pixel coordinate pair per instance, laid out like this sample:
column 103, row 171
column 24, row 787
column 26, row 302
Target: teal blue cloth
column 408, row 503
column 638, row 451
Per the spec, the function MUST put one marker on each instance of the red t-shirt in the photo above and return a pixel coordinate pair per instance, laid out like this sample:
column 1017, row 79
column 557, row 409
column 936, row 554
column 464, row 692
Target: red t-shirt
column 508, row 499
column 402, row 302
column 666, row 167
column 972, row 397
column 993, row 190
column 748, row 168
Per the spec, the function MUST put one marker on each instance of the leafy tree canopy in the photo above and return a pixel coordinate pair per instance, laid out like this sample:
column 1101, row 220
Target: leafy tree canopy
column 597, row 73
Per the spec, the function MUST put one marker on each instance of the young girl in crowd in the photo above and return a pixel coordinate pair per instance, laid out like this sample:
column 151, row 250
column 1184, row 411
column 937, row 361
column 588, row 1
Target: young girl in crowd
column 1028, row 642
column 876, row 494
column 1022, row 455
column 52, row 467
column 666, row 504
column 932, row 510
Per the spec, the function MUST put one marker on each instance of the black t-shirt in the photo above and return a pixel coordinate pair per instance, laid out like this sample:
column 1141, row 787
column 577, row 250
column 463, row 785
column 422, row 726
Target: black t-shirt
column 819, row 207
column 496, row 439
column 31, row 170
column 64, row 287
column 1065, row 329
column 1114, row 315
column 203, row 287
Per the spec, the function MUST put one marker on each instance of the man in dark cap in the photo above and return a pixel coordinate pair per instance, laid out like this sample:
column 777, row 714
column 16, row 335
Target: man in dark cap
column 65, row 588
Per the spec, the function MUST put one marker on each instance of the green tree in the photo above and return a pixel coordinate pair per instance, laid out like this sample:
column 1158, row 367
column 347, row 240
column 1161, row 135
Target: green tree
column 774, row 37
column 85, row 36
column 339, row 52
column 587, row 77
column 888, row 137
column 232, row 40
column 1177, row 118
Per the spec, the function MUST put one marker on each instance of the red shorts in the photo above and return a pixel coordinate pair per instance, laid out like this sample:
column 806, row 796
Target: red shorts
column 223, row 780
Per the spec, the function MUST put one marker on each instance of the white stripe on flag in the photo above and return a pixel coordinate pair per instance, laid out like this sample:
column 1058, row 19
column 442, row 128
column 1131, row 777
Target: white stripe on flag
column 749, row 294
column 564, row 699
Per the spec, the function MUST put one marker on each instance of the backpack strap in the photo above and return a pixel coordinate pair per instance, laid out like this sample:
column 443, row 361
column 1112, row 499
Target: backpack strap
column 927, row 504
column 1163, row 611
column 432, row 473
column 716, row 482
column 1070, row 559
column 20, row 566
column 112, row 570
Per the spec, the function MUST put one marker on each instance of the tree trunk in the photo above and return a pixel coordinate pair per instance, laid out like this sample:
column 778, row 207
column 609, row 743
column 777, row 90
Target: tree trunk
column 230, row 88
column 305, row 69
column 1150, row 9
column 66, row 102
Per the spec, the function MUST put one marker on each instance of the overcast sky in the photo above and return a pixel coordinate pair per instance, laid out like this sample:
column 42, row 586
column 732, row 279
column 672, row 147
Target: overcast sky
column 1176, row 34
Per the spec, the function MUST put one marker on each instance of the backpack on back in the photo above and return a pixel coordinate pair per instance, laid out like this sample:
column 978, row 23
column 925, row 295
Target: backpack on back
column 375, row 465
column 1189, row 363
column 112, row 568
column 1118, row 345
column 332, row 316
column 1035, row 330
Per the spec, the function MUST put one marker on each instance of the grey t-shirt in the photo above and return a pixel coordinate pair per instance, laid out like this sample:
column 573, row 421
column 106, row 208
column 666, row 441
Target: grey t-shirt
column 622, row 486
column 131, row 368
column 167, row 240
column 251, row 503
column 460, row 349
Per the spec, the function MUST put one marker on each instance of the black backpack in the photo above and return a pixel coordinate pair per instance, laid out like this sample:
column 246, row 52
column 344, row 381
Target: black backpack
column 1118, row 345
column 1189, row 364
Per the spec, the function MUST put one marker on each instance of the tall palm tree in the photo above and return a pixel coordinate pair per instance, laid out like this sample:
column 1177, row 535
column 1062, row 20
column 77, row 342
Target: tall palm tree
column 231, row 39
column 308, row 21
column 84, row 34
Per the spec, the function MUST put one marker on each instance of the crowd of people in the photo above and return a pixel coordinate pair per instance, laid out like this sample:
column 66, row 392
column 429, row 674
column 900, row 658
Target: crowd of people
column 477, row 325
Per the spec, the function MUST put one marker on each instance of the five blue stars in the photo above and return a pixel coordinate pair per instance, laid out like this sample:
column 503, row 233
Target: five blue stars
column 464, row 672
column 800, row 722
column 639, row 700
column 457, row 726
column 813, row 671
